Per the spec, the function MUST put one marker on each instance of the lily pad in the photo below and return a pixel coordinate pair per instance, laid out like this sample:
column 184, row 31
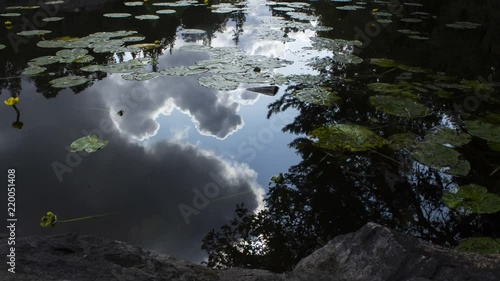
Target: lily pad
column 472, row 198
column 8, row 15
column 89, row 144
column 51, row 19
column 347, row 137
column 33, row 70
column 68, row 81
column 383, row 62
column 140, row 76
column 442, row 158
column 132, row 4
column 484, row 129
column 464, row 25
column 218, row 82
column 165, row 12
column 117, row 15
column 147, row 17
column 183, row 71
column 317, row 95
column 2, row 46
column 33, row 32
column 482, row 245
column 402, row 141
column 448, row 136
column 45, row 60
column 399, row 106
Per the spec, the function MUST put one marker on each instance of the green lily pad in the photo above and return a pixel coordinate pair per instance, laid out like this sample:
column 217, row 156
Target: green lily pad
column 494, row 146
column 411, row 20
column 473, row 198
column 463, row 25
column 484, row 129
column 8, row 15
column 2, row 46
column 402, row 141
column 45, row 60
column 132, row 4
column 117, row 15
column 317, row 95
column 347, row 137
column 448, row 136
column 51, row 19
column 442, row 158
column 218, row 82
column 147, row 17
column 91, row 68
column 140, row 76
column 165, row 12
column 383, row 62
column 401, row 89
column 482, row 245
column 399, row 106
column 89, row 144
column 183, row 71
column 72, row 53
column 33, row 32
column 68, row 81
column 33, row 70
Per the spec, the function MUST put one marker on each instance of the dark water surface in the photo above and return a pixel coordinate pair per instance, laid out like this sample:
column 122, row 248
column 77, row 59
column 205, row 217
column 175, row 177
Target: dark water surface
column 173, row 143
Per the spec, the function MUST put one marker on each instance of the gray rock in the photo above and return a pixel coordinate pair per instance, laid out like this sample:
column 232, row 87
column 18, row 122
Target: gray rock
column 372, row 253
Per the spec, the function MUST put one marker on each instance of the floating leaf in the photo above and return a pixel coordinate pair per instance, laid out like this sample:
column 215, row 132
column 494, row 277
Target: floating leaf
column 2, row 46
column 482, row 245
column 442, row 158
column 33, row 70
column 33, row 32
column 346, row 137
column 464, row 25
column 147, row 17
column 183, row 71
column 402, row 141
column 10, row 15
column 317, row 95
column 68, row 81
column 165, row 12
column 140, row 76
column 218, row 82
column 448, row 136
column 117, row 15
column 411, row 20
column 472, row 198
column 51, row 19
column 45, row 60
column 484, row 129
column 399, row 106
column 383, row 62
column 132, row 4
column 89, row 144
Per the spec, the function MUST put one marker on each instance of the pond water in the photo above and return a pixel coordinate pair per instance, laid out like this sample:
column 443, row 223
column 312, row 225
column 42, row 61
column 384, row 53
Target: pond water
column 385, row 111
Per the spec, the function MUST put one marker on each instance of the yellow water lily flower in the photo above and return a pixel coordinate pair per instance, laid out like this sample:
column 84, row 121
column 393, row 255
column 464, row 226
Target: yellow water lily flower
column 49, row 220
column 8, row 22
column 375, row 10
column 157, row 42
column 11, row 101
